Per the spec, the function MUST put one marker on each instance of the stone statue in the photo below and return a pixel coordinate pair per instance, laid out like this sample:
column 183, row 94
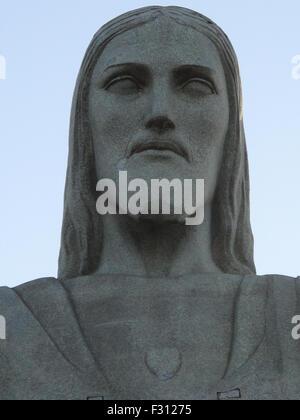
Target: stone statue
column 144, row 306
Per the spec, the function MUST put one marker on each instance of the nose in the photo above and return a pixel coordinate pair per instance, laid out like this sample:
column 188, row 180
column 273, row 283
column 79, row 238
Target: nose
column 159, row 120
column 160, row 124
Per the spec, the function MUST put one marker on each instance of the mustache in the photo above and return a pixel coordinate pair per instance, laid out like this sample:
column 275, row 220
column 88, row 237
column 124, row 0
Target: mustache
column 171, row 144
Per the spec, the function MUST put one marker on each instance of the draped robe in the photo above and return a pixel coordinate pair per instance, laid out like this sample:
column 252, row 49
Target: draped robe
column 49, row 354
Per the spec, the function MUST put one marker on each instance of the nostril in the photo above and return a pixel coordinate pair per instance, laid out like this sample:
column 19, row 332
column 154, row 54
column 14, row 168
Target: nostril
column 168, row 125
column 160, row 124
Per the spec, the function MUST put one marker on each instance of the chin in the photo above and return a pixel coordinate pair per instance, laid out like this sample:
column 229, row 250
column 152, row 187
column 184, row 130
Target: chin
column 160, row 219
column 149, row 169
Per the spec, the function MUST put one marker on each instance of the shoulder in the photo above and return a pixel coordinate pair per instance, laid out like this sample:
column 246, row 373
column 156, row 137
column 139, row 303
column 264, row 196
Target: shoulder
column 43, row 352
column 274, row 282
column 284, row 287
column 42, row 295
column 24, row 309
column 284, row 293
column 36, row 309
column 39, row 287
column 50, row 304
column 22, row 334
column 285, row 297
column 281, row 292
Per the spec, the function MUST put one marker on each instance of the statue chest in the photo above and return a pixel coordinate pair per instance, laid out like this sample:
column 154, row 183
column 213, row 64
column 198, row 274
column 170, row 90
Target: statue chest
column 159, row 345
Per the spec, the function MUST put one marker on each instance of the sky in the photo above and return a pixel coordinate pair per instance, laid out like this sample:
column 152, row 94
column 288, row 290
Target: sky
column 41, row 48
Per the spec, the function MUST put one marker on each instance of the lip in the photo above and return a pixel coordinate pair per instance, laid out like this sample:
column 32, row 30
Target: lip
column 160, row 145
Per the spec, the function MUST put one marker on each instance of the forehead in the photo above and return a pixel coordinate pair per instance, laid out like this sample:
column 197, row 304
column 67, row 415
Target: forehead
column 161, row 42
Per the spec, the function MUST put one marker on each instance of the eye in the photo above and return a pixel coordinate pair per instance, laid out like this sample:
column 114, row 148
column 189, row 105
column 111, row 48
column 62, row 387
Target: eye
column 123, row 85
column 198, row 87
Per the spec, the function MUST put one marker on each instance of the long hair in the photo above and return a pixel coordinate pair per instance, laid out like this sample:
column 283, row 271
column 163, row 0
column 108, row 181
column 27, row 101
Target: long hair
column 81, row 240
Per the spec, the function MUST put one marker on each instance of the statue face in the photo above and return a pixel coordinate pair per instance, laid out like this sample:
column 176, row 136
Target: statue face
column 158, row 105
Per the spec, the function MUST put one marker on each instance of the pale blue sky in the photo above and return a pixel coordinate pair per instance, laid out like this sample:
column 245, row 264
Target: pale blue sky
column 43, row 43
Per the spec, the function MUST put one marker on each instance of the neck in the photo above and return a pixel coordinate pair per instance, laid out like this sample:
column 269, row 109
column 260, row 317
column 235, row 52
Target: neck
column 147, row 248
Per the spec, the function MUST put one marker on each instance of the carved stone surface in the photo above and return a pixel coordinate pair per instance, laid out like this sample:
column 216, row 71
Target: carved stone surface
column 145, row 307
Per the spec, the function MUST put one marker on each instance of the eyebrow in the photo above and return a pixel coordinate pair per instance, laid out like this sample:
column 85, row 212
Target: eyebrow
column 186, row 68
column 137, row 66
column 192, row 69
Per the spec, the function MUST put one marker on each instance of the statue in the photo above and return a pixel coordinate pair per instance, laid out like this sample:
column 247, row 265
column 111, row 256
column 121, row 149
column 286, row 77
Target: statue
column 145, row 307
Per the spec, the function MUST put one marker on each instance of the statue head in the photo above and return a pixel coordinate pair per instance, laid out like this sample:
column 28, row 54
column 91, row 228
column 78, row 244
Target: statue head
column 167, row 73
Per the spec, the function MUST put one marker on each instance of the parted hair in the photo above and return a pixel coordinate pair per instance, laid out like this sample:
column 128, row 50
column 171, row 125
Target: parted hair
column 81, row 238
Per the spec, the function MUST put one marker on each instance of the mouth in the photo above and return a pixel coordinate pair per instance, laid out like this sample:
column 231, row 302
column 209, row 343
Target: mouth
column 160, row 146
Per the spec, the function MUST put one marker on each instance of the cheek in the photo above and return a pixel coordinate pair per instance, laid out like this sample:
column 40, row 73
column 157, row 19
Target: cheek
column 111, row 118
column 207, row 127
column 113, row 124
